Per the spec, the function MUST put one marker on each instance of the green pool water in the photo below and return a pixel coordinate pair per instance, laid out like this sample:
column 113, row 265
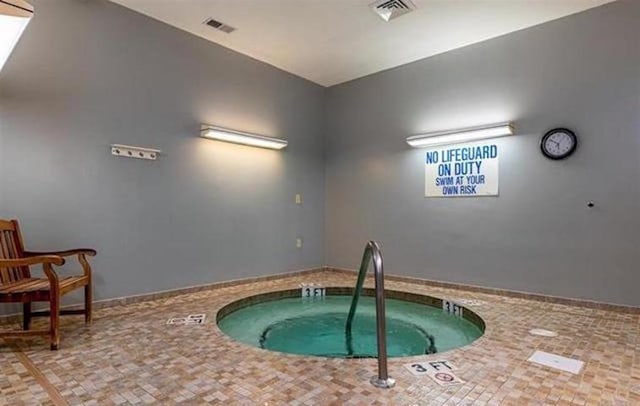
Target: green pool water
column 317, row 327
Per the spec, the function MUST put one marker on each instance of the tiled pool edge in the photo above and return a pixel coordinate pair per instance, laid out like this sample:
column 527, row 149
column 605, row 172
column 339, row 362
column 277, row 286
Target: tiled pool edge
column 504, row 292
column 468, row 314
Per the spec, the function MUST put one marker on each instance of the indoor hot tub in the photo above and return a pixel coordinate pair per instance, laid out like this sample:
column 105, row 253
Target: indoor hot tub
column 286, row 322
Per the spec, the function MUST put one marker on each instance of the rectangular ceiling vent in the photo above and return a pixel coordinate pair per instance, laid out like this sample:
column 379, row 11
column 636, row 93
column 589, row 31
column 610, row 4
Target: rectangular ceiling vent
column 219, row 26
column 390, row 9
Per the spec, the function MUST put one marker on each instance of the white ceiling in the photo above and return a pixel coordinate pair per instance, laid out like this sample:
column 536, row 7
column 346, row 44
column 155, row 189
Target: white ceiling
column 333, row 41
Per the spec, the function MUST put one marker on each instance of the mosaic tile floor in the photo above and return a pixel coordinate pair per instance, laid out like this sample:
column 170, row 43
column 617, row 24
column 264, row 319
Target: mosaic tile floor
column 130, row 356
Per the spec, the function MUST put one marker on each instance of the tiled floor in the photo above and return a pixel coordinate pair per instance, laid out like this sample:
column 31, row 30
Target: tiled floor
column 130, row 356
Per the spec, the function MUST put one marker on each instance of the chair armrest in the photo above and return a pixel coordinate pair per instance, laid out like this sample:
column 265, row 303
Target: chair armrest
column 45, row 260
column 42, row 259
column 78, row 251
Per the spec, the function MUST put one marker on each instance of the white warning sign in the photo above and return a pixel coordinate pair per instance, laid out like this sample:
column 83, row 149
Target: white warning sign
column 439, row 371
column 462, row 171
column 190, row 320
column 424, row 368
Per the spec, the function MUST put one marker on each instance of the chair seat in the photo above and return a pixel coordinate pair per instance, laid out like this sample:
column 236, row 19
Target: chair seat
column 28, row 285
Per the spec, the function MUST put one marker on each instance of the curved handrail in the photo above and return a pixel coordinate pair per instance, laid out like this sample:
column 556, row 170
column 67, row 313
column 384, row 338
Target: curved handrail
column 372, row 252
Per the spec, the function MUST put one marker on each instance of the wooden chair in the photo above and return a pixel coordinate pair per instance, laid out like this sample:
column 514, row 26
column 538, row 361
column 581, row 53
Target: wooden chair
column 17, row 285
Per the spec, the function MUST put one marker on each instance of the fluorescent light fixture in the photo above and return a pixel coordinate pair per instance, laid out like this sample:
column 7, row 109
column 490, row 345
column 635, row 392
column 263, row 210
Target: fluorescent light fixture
column 14, row 17
column 238, row 137
column 462, row 135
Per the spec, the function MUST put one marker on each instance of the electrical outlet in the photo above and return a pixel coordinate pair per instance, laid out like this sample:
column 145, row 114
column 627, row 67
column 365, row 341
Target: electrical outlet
column 298, row 199
column 299, row 242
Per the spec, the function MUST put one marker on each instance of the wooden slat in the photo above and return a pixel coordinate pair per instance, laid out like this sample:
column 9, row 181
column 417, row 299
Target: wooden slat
column 25, row 285
column 5, row 273
column 20, row 248
column 7, row 225
column 73, row 283
column 6, row 249
column 42, row 284
column 15, row 273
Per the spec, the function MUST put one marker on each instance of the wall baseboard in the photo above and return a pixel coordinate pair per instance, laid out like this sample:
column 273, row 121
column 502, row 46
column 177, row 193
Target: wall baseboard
column 144, row 297
column 592, row 304
column 127, row 300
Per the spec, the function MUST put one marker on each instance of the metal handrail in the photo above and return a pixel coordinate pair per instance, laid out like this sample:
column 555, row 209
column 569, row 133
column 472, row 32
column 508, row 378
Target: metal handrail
column 372, row 252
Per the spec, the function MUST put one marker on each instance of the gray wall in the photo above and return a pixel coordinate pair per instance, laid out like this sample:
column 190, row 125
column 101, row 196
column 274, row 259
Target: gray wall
column 582, row 72
column 90, row 73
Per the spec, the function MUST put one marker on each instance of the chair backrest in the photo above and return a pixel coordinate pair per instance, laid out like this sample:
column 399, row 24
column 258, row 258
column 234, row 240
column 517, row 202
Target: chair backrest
column 11, row 247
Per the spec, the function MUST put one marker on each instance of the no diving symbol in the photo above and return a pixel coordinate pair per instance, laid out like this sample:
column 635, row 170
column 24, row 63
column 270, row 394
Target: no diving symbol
column 445, row 377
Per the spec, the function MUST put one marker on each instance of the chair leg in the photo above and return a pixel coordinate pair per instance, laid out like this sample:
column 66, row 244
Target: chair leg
column 54, row 304
column 26, row 316
column 88, row 300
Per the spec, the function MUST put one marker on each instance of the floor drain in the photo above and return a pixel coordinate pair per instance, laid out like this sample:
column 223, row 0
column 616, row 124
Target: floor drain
column 542, row 332
column 557, row 361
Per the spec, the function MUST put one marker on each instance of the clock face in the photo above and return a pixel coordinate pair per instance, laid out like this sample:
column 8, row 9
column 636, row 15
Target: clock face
column 559, row 143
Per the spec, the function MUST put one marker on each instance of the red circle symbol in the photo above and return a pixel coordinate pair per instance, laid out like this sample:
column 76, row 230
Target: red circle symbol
column 442, row 376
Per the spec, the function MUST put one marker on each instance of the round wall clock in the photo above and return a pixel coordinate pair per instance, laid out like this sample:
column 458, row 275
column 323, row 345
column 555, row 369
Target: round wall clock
column 558, row 143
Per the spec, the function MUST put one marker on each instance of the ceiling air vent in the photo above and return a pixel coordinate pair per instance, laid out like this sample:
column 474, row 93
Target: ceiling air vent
column 219, row 26
column 390, row 9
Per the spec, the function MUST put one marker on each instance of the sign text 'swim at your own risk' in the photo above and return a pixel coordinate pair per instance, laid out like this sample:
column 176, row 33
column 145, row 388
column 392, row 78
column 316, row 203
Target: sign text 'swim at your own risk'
column 462, row 171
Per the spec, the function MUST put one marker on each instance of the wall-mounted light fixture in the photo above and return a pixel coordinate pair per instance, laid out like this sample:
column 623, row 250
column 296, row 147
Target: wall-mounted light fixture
column 14, row 17
column 239, row 137
column 462, row 135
